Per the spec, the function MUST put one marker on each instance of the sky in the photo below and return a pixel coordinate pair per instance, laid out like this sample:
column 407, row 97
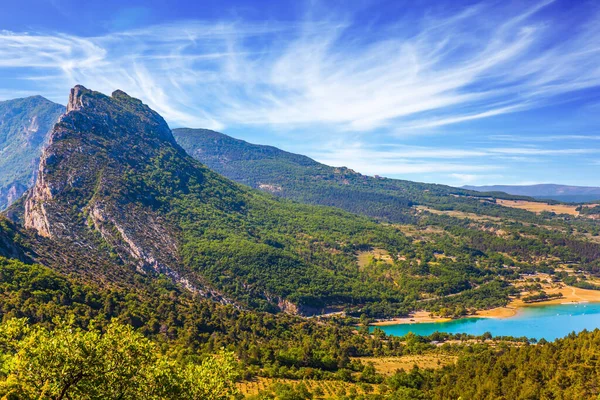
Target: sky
column 454, row 92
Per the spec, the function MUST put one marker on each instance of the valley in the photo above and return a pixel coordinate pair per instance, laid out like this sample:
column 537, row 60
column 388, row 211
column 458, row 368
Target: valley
column 299, row 200
column 180, row 237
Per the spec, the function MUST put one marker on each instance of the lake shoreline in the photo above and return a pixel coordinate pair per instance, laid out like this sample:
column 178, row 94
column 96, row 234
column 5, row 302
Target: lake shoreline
column 571, row 296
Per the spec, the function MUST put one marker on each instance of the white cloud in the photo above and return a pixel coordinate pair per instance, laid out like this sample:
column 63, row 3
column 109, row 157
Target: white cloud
column 350, row 150
column 545, row 138
column 403, row 160
column 483, row 61
column 474, row 179
column 461, row 165
column 466, row 178
column 537, row 152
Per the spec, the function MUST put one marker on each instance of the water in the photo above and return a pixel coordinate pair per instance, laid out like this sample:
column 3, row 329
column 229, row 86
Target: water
column 548, row 322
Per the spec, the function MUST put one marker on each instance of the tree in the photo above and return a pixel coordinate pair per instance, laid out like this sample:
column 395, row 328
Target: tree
column 70, row 362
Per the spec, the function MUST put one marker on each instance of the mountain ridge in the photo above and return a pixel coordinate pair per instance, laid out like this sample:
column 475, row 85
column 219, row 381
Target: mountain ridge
column 117, row 200
column 25, row 126
column 552, row 191
column 97, row 140
column 114, row 185
column 303, row 179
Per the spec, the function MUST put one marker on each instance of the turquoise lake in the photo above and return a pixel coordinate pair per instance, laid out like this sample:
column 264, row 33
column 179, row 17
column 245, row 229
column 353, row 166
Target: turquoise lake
column 548, row 322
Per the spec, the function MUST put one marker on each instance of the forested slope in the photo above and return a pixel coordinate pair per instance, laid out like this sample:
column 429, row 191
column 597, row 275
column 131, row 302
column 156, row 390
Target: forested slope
column 117, row 197
column 117, row 200
column 306, row 180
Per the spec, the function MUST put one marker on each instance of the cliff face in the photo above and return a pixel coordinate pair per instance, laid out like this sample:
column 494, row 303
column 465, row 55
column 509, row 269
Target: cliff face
column 25, row 126
column 88, row 192
column 90, row 149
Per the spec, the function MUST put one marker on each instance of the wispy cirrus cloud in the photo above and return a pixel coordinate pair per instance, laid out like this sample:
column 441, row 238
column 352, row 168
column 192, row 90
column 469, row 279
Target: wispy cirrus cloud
column 461, row 165
column 544, row 138
column 387, row 96
column 391, row 151
column 479, row 62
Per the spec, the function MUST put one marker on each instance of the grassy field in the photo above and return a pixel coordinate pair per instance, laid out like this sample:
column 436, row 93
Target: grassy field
column 536, row 207
column 365, row 257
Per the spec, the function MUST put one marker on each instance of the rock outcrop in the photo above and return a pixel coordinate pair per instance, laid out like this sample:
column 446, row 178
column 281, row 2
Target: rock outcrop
column 89, row 194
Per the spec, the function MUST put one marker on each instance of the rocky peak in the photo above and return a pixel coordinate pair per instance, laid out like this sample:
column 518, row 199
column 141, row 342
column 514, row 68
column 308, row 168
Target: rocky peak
column 97, row 188
column 82, row 174
column 76, row 98
column 81, row 97
column 87, row 107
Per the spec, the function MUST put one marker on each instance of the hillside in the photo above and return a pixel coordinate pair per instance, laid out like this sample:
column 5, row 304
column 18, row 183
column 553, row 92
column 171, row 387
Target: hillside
column 303, row 179
column 118, row 200
column 117, row 191
column 282, row 347
column 25, row 126
column 565, row 193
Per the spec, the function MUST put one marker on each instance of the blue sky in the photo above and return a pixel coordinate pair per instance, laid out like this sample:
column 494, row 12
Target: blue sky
column 456, row 92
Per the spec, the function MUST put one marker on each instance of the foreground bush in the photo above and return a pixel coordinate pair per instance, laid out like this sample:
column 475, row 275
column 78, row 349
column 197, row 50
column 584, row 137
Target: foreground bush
column 72, row 363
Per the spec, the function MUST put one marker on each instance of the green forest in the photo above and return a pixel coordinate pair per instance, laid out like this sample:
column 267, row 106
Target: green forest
column 58, row 336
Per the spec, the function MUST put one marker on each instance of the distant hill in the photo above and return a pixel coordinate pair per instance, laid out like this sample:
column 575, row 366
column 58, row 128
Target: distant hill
column 303, row 179
column 25, row 125
column 566, row 193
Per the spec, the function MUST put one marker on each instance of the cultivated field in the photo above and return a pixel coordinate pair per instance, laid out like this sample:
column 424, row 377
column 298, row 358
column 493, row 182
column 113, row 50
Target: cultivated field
column 329, row 389
column 333, row 389
column 536, row 207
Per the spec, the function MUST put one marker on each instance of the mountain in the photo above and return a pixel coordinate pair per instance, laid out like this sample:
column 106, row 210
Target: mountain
column 25, row 125
column 122, row 223
column 565, row 193
column 305, row 180
column 116, row 190
column 118, row 200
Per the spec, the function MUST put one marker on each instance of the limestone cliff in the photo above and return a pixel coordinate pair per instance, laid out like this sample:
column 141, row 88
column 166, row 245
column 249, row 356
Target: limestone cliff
column 87, row 191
